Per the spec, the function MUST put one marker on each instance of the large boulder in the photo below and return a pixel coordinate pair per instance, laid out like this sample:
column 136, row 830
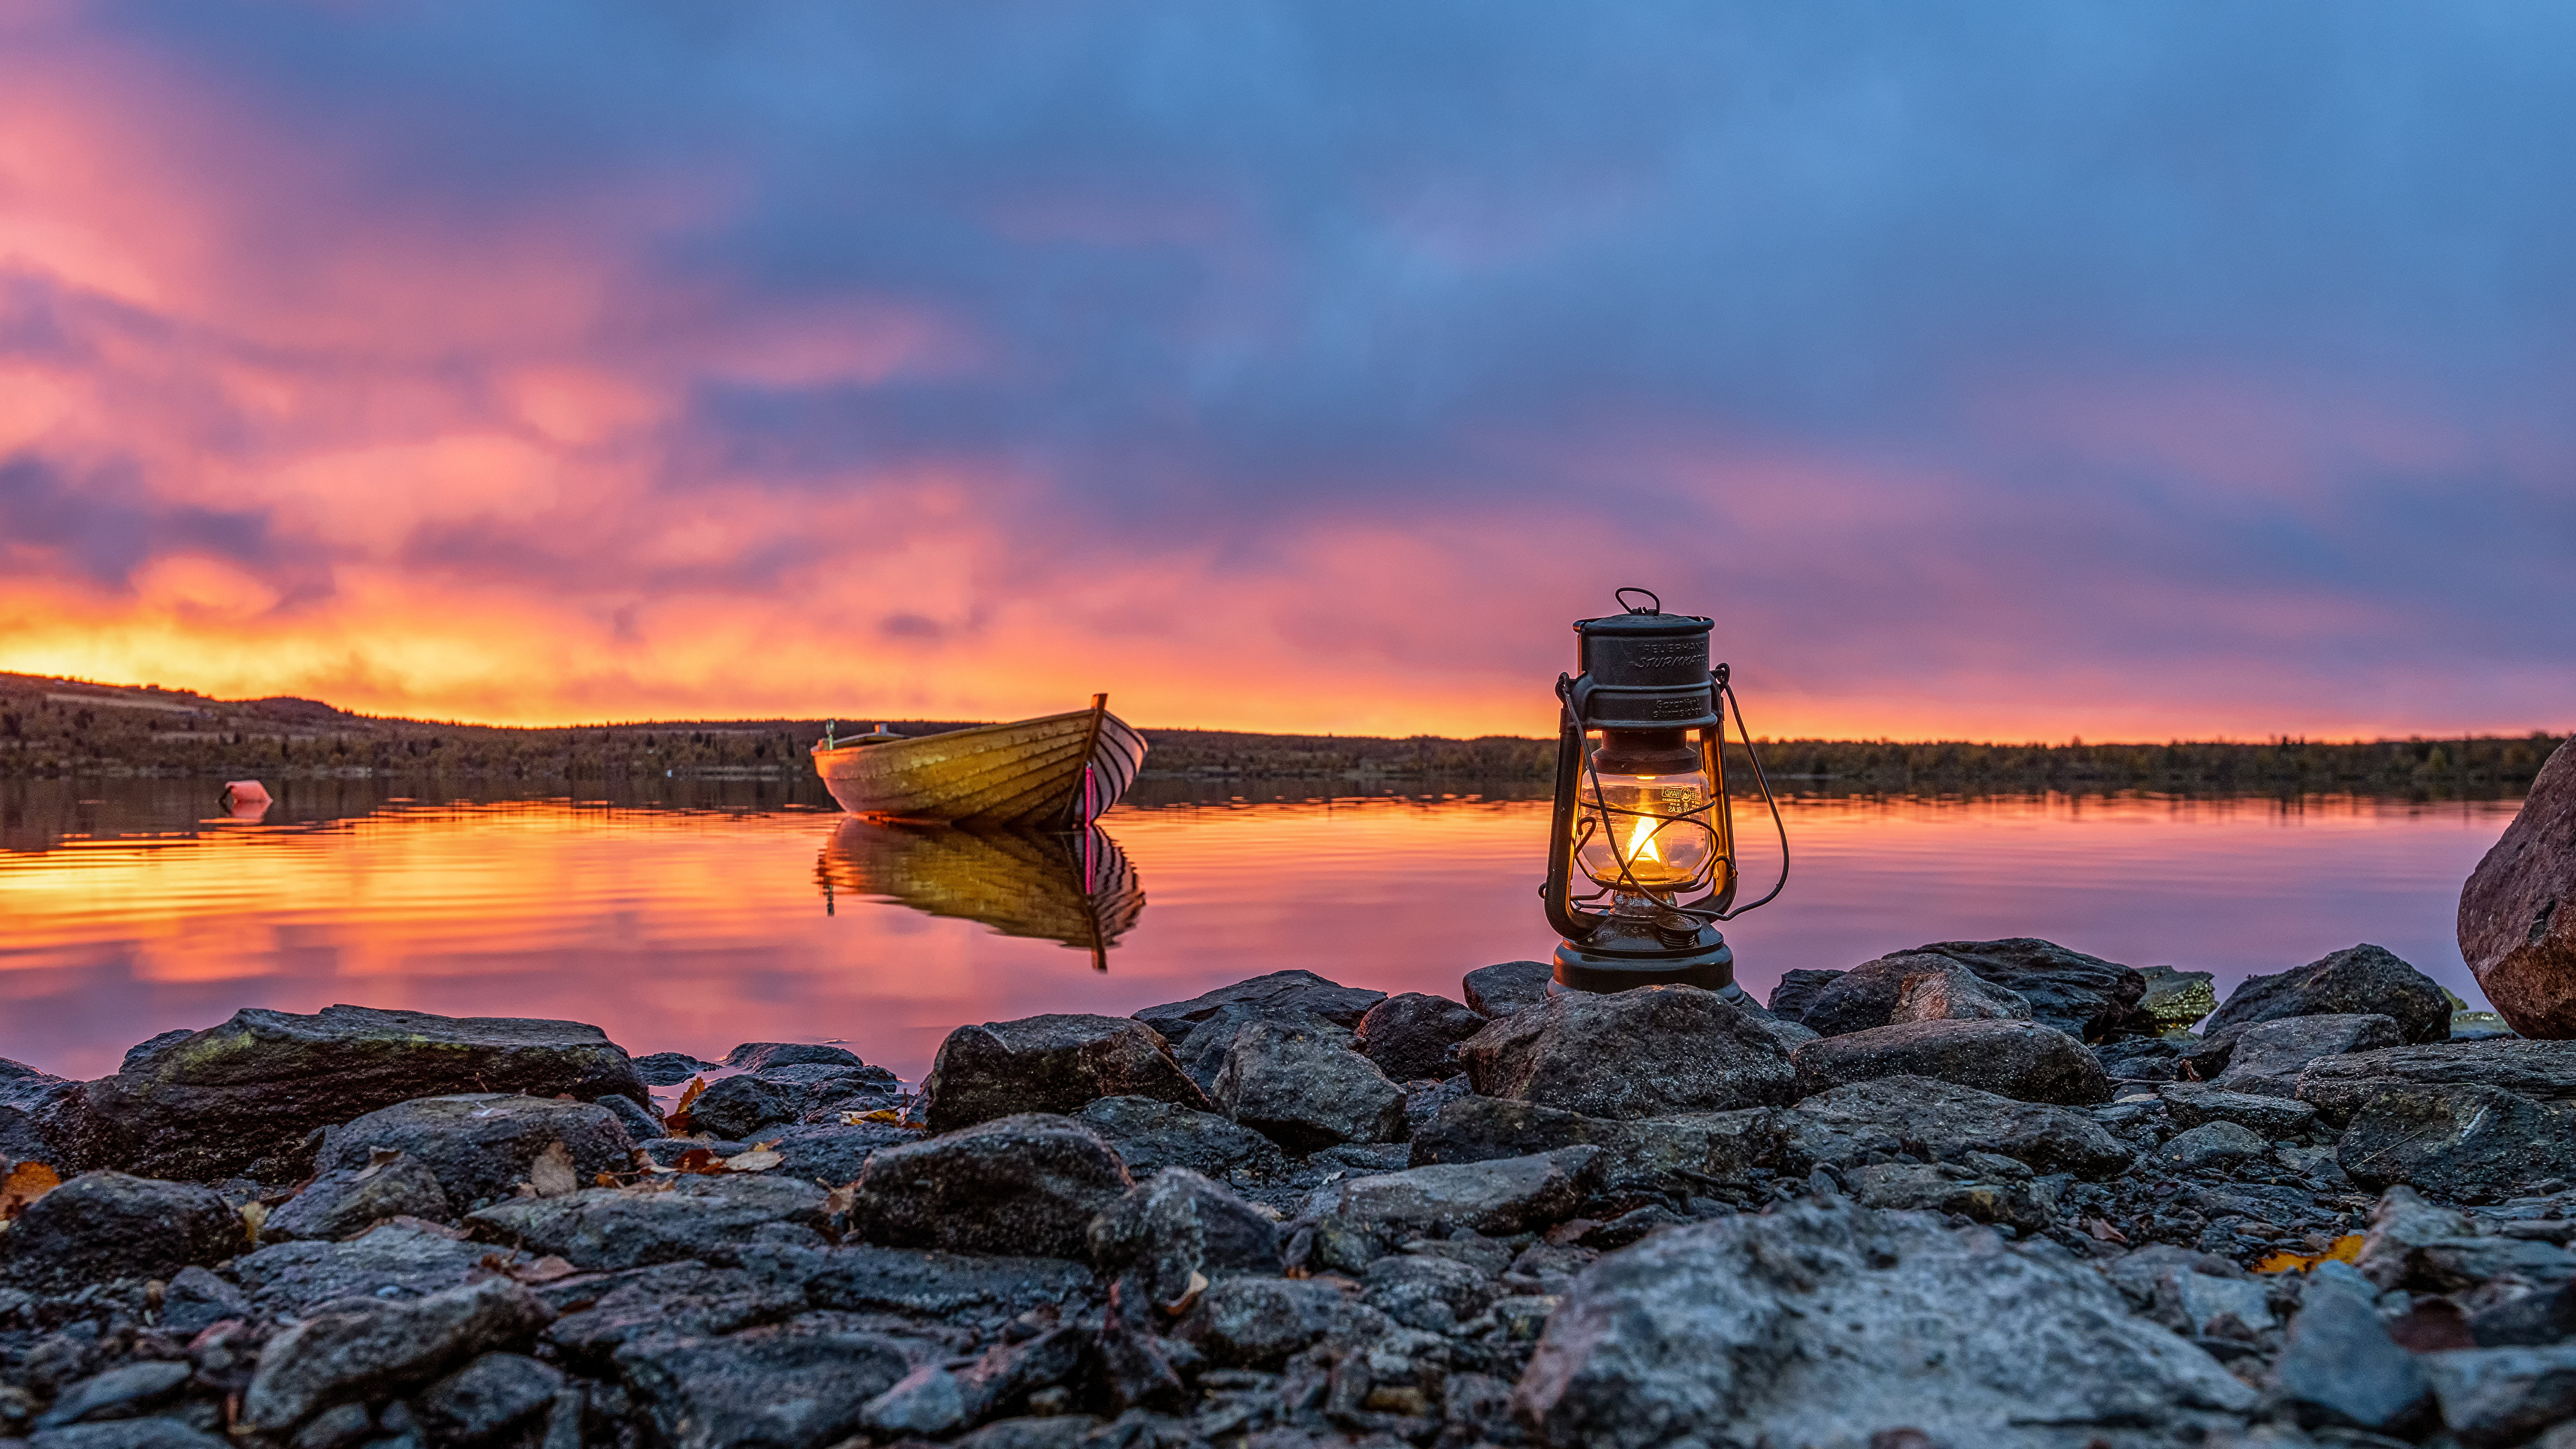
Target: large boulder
column 1258, row 1322
column 2356, row 981
column 2517, row 920
column 2544, row 1071
column 242, row 1097
column 1306, row 1091
column 1844, row 1326
column 1177, row 1225
column 670, row 1300
column 1663, row 1154
column 795, row 1385
column 338, row 1203
column 1908, row 986
column 389, row 1261
column 1942, row 1121
column 1050, row 1064
column 380, row 1351
column 1151, row 1135
column 2019, row 1059
column 42, row 1117
column 2084, row 996
column 664, row 1220
column 103, row 1225
column 2458, row 1139
column 481, row 1145
column 1654, row 1051
column 1279, row 996
column 763, row 1056
column 1026, row 1184
column 1410, row 1036
column 2268, row 1057
column 1507, row 1195
column 1797, row 991
column 1507, row 987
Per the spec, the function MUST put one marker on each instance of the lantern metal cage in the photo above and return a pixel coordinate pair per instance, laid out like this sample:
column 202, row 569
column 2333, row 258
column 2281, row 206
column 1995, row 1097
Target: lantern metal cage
column 1642, row 809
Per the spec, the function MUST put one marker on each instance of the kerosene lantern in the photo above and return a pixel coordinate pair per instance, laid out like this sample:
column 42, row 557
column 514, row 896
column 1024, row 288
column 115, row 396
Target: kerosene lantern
column 1641, row 807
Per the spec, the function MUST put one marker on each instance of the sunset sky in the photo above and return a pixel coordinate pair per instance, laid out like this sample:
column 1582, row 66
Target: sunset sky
column 1986, row 370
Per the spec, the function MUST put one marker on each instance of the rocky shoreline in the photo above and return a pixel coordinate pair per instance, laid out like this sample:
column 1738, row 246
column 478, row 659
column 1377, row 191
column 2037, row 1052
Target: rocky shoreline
column 1975, row 1194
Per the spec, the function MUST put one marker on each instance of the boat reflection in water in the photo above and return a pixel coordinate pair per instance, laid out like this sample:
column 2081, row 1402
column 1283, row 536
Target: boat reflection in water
column 1074, row 886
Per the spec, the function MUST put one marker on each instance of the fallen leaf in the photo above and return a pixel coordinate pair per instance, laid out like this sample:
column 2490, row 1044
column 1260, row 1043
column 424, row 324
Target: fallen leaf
column 254, row 1216
column 545, row 1270
column 603, row 1179
column 2346, row 1249
column 838, row 1201
column 1188, row 1299
column 376, row 1161
column 551, row 1174
column 2102, row 1231
column 759, row 1159
column 678, row 1121
column 25, row 1183
column 699, row 1160
column 1569, row 1230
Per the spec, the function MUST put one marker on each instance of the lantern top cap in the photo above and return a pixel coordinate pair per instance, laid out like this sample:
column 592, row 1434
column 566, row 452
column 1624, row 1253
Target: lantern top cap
column 1647, row 620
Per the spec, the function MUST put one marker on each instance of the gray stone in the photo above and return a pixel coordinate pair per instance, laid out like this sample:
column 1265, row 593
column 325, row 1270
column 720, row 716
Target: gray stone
column 1874, row 994
column 1058, row 1431
column 937, row 1399
column 1683, row 1153
column 1150, row 1136
column 1305, row 1092
column 2468, row 1142
column 2400, row 1222
column 2449, row 1265
column 107, row 1225
column 2210, row 1146
column 762, row 1056
column 371, row 1354
column 2191, row 1104
column 2142, row 1058
column 2267, row 1057
column 1024, row 1184
column 1257, row 1323
column 2176, row 998
column 1429, row 1293
column 1176, row 1225
column 1050, row 1064
column 1506, row 1195
column 1956, row 994
column 2338, row 1366
column 1410, row 1036
column 670, row 1300
column 2544, row 1071
column 662, row 1220
column 940, row 1285
column 670, row 1069
column 341, row 1201
column 393, row 1260
column 739, row 1109
column 1511, row 986
column 2018, row 1059
column 835, row 1155
column 1942, row 1187
column 797, row 1385
column 152, row 1433
column 481, row 1145
column 1287, row 995
column 43, row 1118
column 338, row 1425
column 196, row 1300
column 2360, row 980
column 1655, row 1051
column 1829, row 1326
column 2517, row 919
column 2083, row 996
column 2492, row 1397
column 243, row 1096
column 642, row 1124
column 1798, row 991
column 128, row 1388
column 1941, row 1121
column 2196, row 1304
column 494, row 1392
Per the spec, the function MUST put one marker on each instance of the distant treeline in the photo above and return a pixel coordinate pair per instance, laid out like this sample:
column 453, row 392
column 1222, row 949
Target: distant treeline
column 53, row 727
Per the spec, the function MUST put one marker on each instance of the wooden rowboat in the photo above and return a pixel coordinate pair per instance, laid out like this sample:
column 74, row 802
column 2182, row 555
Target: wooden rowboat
column 1074, row 887
column 1058, row 771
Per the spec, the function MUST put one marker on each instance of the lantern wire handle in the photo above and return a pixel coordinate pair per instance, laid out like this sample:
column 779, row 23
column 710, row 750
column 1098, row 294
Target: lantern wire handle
column 1727, row 687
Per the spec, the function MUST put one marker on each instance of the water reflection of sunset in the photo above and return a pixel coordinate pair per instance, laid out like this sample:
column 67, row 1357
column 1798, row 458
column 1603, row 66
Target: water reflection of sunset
column 692, row 930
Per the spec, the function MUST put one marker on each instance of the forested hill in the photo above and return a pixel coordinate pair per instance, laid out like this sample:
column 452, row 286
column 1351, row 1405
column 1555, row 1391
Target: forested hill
column 73, row 727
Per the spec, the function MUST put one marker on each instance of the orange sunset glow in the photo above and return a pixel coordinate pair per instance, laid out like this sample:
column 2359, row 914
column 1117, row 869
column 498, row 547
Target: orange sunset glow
column 610, row 398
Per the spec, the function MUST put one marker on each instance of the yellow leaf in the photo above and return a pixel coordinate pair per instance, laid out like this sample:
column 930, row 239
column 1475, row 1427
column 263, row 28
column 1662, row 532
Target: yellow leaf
column 24, row 1184
column 254, row 1216
column 2346, row 1249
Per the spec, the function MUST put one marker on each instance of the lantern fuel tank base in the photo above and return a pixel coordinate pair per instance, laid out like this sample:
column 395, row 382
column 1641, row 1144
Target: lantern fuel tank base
column 1710, row 966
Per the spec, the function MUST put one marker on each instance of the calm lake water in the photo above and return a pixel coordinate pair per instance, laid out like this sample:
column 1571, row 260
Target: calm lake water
column 700, row 914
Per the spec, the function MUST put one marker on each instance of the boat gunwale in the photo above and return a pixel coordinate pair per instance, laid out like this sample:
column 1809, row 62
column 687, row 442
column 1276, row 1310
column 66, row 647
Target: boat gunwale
column 969, row 732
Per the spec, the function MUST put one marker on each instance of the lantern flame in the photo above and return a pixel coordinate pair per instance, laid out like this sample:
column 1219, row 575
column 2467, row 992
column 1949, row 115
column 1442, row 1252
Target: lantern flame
column 1641, row 842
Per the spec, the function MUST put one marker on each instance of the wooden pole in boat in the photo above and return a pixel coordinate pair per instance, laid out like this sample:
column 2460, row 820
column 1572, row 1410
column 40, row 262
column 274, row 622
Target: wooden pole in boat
column 1073, row 816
